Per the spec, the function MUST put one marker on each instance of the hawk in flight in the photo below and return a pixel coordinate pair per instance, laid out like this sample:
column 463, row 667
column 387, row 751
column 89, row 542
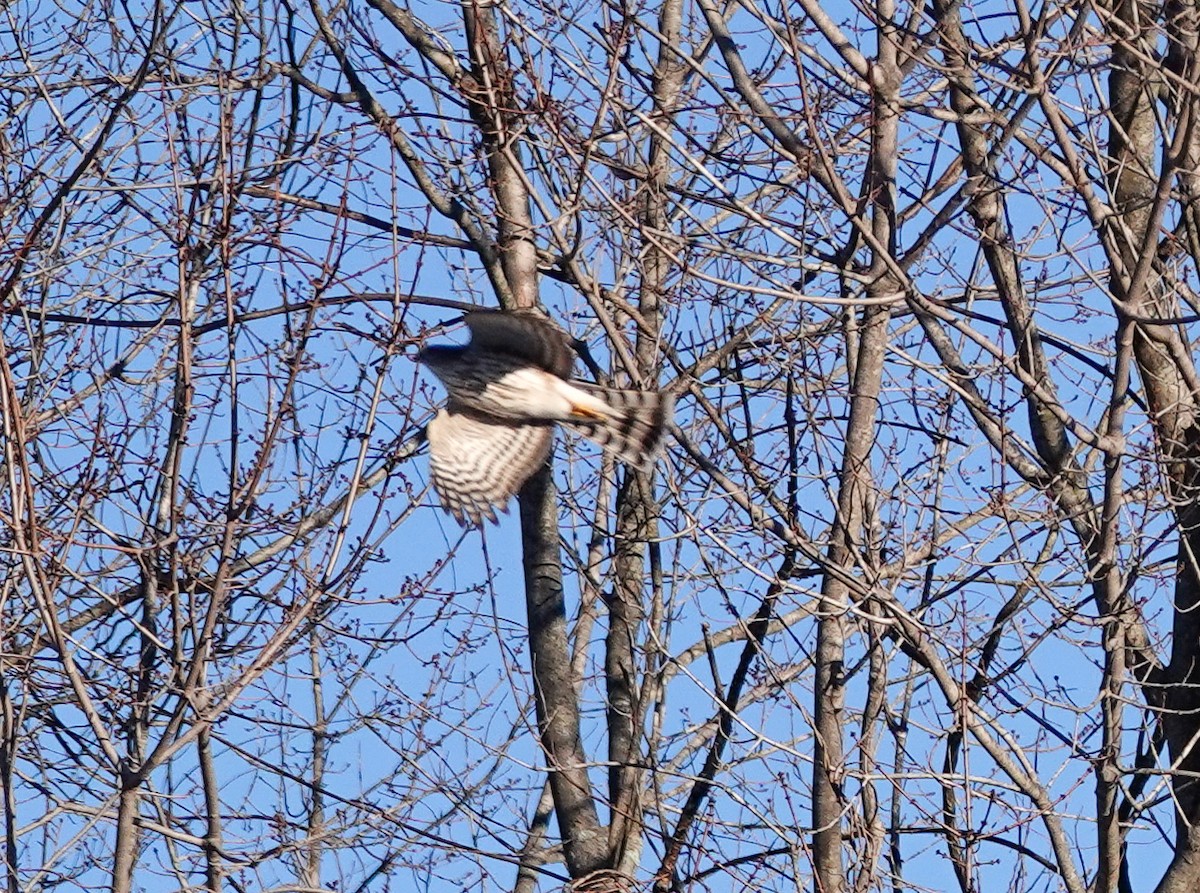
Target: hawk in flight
column 508, row 389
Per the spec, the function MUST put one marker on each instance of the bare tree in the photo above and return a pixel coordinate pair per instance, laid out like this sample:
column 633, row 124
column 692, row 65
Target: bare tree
column 910, row 603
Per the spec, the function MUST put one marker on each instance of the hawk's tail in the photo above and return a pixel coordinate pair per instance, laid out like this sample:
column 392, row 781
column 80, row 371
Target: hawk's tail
column 635, row 424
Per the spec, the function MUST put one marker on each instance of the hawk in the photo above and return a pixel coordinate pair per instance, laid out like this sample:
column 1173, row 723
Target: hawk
column 508, row 389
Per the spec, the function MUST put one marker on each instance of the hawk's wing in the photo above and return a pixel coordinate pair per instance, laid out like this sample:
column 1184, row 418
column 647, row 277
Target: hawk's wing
column 477, row 465
column 524, row 334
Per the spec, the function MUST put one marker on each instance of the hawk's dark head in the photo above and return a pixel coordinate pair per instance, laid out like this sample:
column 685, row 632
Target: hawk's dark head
column 435, row 355
column 441, row 357
column 453, row 366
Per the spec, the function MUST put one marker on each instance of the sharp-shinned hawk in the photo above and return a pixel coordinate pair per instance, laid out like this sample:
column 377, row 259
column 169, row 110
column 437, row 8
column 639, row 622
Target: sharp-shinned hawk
column 508, row 388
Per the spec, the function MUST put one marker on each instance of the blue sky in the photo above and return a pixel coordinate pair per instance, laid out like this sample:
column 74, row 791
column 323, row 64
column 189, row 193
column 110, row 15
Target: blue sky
column 421, row 650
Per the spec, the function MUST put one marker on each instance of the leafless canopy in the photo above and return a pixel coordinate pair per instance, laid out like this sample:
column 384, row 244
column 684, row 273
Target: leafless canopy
column 913, row 603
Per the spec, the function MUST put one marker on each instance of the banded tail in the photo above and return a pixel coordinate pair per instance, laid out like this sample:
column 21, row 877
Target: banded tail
column 634, row 426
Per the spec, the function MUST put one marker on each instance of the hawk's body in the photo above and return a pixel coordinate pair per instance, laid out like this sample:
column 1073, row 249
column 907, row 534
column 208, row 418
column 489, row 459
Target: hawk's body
column 508, row 388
